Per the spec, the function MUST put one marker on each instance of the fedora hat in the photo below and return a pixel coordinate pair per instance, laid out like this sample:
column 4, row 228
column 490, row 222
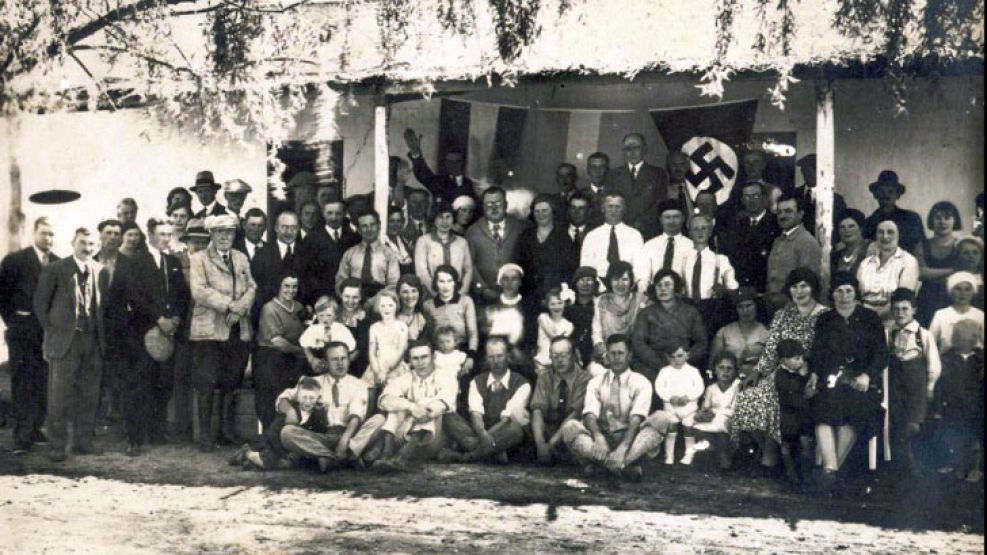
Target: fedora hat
column 205, row 179
column 236, row 186
column 194, row 229
column 887, row 177
column 159, row 346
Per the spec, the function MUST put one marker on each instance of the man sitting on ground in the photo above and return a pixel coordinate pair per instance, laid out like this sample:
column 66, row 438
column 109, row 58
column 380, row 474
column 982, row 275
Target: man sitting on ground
column 615, row 430
column 558, row 398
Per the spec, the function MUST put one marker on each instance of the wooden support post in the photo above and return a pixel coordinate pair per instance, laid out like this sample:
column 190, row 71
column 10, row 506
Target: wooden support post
column 825, row 173
column 381, row 162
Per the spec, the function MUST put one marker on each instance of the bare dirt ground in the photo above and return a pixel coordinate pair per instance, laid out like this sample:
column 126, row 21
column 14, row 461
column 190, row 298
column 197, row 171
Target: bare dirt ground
column 177, row 500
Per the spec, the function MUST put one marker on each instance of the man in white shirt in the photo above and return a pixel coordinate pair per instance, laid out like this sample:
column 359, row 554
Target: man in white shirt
column 414, row 404
column 345, row 400
column 578, row 213
column 706, row 273
column 612, row 241
column 498, row 402
column 666, row 251
column 615, row 430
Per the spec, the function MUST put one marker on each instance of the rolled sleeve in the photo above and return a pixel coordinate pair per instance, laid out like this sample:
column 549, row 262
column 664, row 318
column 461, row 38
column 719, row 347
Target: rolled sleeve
column 474, row 400
column 515, row 408
column 543, row 389
column 358, row 403
column 640, row 397
column 591, row 404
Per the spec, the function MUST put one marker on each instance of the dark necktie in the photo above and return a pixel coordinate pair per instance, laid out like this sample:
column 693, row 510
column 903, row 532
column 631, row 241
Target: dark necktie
column 666, row 264
column 613, row 251
column 577, row 237
column 697, row 275
column 335, row 393
column 366, row 274
column 563, row 398
column 83, row 311
column 420, row 227
column 496, row 233
column 229, row 266
column 288, row 258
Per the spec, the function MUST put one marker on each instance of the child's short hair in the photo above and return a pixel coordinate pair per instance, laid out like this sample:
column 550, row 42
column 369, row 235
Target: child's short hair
column 388, row 294
column 445, row 330
column 555, row 292
column 901, row 295
column 309, row 384
column 324, row 302
column 676, row 345
column 789, row 348
column 725, row 355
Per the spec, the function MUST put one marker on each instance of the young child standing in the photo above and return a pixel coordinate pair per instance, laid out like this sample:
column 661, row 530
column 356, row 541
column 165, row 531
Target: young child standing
column 713, row 419
column 680, row 385
column 448, row 360
column 324, row 330
column 551, row 324
column 962, row 288
column 304, row 409
column 388, row 342
column 912, row 373
column 959, row 399
column 795, row 394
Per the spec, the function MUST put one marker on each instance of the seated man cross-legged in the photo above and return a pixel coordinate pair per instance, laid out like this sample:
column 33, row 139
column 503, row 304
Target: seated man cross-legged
column 414, row 403
column 498, row 402
column 615, row 430
column 558, row 398
column 345, row 401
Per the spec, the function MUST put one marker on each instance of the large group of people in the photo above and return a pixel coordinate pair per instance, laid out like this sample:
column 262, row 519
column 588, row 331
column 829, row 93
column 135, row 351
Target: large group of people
column 622, row 313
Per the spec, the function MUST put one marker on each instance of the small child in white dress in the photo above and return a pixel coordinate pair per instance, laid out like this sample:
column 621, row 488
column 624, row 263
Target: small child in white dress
column 551, row 324
column 322, row 331
column 713, row 419
column 388, row 343
column 448, row 361
column 680, row 386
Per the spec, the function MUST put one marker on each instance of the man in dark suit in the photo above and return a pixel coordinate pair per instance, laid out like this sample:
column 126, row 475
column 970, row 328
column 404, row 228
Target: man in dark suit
column 250, row 235
column 493, row 242
column 642, row 184
column 275, row 259
column 806, row 196
column 598, row 170
column 205, row 189
column 448, row 184
column 67, row 303
column 417, row 224
column 152, row 284
column 752, row 233
column 19, row 274
column 319, row 254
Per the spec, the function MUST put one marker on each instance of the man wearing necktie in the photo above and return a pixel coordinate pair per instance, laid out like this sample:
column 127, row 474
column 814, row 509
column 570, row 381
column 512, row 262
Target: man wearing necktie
column 19, row 274
column 666, row 251
column 612, row 241
column 224, row 292
column 274, row 260
column 751, row 234
column 345, row 399
column 318, row 257
column 67, row 303
column 558, row 398
column 646, row 184
column 375, row 265
column 152, row 285
column 615, row 429
column 707, row 275
column 493, row 242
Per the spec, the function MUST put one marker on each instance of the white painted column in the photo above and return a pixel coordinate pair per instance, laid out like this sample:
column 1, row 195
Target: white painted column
column 381, row 163
column 825, row 173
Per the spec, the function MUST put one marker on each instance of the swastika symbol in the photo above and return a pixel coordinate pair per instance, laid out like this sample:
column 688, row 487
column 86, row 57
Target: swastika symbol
column 708, row 168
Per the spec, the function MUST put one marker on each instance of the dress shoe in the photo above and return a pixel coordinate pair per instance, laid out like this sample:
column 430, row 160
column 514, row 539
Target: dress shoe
column 87, row 450
column 133, row 450
column 57, row 455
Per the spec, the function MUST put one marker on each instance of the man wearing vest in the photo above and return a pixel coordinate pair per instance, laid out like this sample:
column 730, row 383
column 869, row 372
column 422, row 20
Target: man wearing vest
column 498, row 401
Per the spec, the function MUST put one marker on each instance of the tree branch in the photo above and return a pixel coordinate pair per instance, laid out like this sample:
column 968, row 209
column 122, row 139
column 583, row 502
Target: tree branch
column 110, row 17
column 148, row 59
column 94, row 80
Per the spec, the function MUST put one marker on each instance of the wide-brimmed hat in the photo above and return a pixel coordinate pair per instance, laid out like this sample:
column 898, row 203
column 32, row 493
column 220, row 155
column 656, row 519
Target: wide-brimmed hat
column 887, row 177
column 159, row 345
column 221, row 221
column 194, row 229
column 205, row 179
column 236, row 186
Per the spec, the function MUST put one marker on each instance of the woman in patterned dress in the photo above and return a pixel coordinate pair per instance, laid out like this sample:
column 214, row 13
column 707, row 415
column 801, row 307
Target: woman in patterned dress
column 757, row 409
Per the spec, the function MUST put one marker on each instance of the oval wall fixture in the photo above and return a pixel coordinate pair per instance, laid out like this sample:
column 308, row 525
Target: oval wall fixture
column 54, row 196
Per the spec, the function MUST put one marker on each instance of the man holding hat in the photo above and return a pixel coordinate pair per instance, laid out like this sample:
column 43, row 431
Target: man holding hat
column 223, row 290
column 205, row 189
column 887, row 190
column 155, row 290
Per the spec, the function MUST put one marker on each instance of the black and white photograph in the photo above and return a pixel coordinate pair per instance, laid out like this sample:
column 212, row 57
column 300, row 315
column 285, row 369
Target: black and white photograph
column 492, row 276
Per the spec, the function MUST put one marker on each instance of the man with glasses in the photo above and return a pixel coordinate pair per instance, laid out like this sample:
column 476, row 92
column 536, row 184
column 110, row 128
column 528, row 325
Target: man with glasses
column 647, row 185
column 557, row 399
column 493, row 242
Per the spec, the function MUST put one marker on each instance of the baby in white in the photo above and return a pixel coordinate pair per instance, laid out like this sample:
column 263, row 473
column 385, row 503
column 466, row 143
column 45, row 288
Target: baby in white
column 680, row 385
